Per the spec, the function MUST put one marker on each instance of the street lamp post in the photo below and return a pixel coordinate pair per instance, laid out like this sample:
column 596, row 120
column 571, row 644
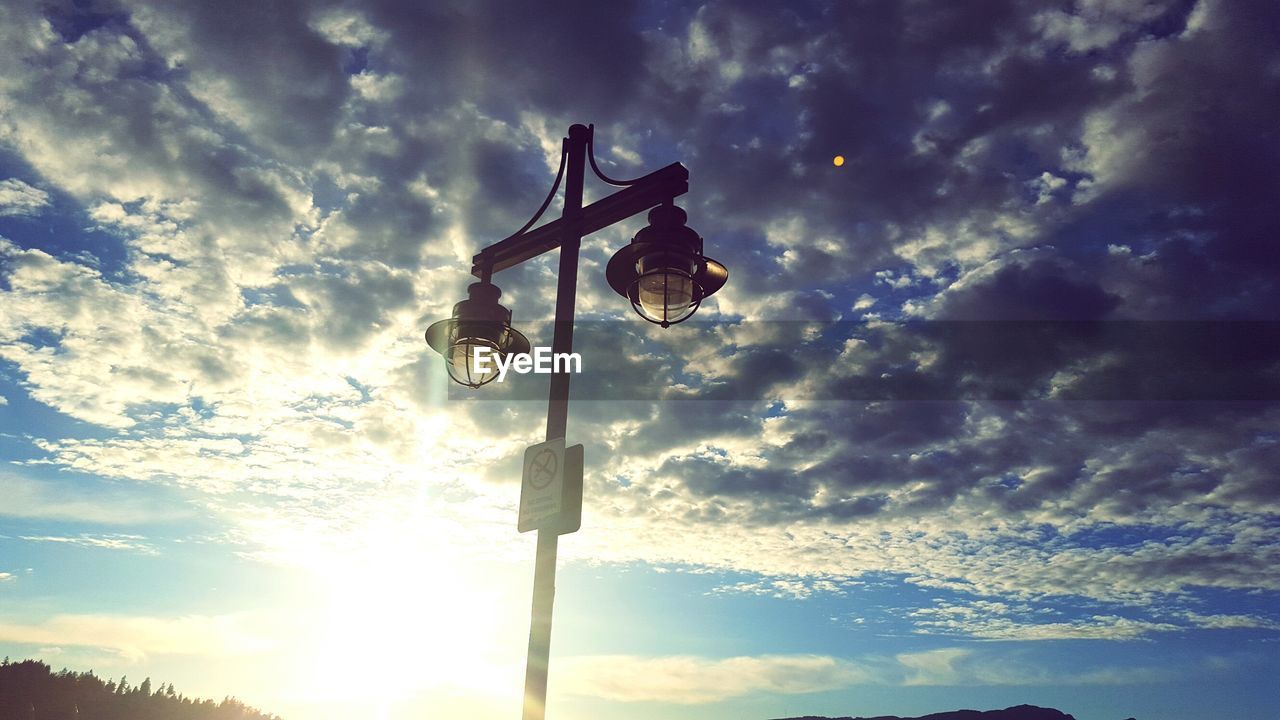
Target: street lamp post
column 662, row 272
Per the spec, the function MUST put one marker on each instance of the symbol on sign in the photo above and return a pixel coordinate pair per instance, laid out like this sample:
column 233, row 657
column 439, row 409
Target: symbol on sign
column 543, row 469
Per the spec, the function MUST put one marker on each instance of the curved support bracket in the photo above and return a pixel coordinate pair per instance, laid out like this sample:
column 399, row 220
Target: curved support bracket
column 656, row 188
column 564, row 153
column 591, row 156
column 636, row 196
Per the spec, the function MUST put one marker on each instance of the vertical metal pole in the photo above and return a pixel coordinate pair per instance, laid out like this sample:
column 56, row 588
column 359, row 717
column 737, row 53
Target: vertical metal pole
column 544, row 573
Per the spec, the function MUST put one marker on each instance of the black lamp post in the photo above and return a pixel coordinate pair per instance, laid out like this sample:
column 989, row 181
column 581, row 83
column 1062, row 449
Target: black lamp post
column 662, row 272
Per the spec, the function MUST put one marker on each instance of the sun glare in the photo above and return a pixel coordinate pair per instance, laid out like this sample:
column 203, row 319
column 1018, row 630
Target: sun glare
column 401, row 617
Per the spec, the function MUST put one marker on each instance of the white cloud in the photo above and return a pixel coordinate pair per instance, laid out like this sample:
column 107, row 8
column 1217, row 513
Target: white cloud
column 782, row 588
column 136, row 637
column 695, row 680
column 967, row 667
column 49, row 500
column 1098, row 627
column 378, row 88
column 1097, row 24
column 17, row 198
column 1231, row 622
column 110, row 337
column 994, row 620
column 692, row 680
column 344, row 27
column 132, row 543
column 1045, row 186
column 934, row 667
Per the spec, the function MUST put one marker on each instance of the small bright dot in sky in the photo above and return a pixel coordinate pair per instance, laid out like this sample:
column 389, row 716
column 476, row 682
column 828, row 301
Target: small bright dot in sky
column 837, row 160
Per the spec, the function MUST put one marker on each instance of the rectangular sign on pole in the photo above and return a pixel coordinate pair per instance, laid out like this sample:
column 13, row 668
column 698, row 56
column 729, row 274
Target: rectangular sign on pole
column 551, row 491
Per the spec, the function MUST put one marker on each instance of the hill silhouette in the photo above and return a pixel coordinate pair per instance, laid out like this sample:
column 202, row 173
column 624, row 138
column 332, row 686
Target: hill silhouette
column 1018, row 712
column 30, row 690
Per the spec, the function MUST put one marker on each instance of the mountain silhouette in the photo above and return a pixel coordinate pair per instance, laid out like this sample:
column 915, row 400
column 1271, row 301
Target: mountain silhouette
column 1018, row 712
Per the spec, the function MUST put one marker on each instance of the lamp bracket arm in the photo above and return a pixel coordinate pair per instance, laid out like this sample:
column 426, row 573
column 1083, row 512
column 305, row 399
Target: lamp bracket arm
column 591, row 156
column 564, row 153
column 657, row 188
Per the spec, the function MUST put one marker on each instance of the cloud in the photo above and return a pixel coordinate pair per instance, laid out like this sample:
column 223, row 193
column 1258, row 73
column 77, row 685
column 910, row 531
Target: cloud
column 694, row 680
column 934, row 667
column 1098, row 627
column 783, row 588
column 137, row 637
column 291, row 212
column 1232, row 622
column 263, row 68
column 132, row 543
column 1096, row 25
column 996, row 620
column 1036, row 289
column 965, row 667
column 46, row 500
column 17, row 198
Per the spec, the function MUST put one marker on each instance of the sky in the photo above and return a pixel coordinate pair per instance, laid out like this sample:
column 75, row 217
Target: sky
column 985, row 415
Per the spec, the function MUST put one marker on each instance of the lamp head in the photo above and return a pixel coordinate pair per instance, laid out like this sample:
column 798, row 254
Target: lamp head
column 477, row 322
column 663, row 271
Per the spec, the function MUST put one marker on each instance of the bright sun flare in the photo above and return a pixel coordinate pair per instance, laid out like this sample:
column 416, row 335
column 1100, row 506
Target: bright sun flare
column 400, row 616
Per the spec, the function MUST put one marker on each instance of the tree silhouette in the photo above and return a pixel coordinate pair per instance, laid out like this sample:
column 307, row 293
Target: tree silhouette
column 29, row 690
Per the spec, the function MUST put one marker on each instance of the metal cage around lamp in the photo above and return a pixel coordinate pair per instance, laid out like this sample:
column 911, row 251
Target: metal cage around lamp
column 663, row 271
column 478, row 322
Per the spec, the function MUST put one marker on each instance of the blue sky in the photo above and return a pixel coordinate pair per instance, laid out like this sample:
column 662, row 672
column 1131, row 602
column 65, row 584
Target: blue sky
column 986, row 415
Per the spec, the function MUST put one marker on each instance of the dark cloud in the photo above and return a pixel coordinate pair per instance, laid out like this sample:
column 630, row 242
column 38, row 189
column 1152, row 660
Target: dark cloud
column 1044, row 210
column 261, row 63
column 1193, row 153
column 582, row 58
column 1040, row 290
